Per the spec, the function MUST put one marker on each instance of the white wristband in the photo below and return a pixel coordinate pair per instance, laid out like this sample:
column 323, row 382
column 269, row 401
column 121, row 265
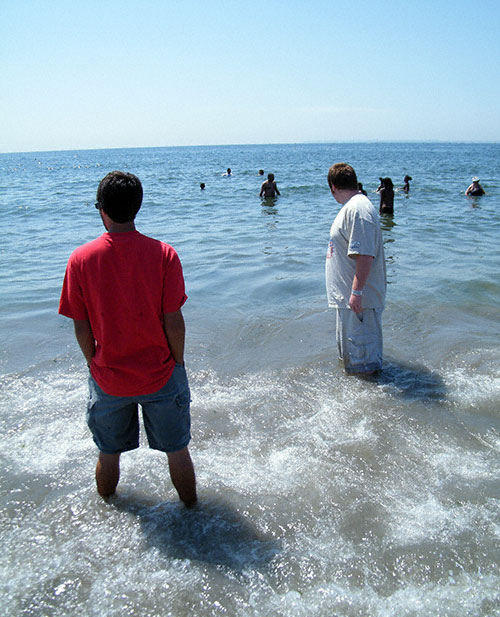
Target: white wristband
column 355, row 292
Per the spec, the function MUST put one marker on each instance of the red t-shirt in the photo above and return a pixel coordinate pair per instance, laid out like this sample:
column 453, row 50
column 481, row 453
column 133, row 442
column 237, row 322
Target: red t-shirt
column 123, row 283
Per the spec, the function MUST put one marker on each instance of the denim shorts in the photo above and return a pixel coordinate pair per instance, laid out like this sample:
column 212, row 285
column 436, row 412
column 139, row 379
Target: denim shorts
column 114, row 420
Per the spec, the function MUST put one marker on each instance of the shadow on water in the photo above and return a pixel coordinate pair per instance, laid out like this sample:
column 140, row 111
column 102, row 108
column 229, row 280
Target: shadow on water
column 387, row 221
column 387, row 224
column 475, row 201
column 269, row 205
column 415, row 383
column 211, row 532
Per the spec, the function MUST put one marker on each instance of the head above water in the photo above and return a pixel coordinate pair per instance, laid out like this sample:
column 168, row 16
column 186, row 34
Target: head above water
column 407, row 179
column 388, row 183
column 270, row 177
column 342, row 176
column 120, row 196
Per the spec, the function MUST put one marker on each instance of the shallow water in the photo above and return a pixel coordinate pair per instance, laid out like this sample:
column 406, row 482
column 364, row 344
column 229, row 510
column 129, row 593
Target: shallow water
column 320, row 494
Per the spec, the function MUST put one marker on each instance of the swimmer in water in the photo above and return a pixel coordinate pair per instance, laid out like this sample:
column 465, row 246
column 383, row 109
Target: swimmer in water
column 228, row 172
column 406, row 186
column 269, row 189
column 475, row 189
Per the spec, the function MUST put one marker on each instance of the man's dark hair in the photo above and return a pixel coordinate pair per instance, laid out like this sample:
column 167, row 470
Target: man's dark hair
column 120, row 196
column 342, row 176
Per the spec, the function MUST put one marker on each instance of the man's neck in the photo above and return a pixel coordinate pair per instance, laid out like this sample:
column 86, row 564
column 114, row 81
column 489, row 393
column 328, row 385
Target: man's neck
column 116, row 228
column 344, row 195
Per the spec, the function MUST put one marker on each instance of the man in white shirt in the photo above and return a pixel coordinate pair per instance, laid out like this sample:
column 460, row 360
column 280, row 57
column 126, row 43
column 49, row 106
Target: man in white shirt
column 355, row 274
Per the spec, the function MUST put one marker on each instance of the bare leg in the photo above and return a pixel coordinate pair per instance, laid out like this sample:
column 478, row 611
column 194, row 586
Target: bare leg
column 107, row 474
column 182, row 475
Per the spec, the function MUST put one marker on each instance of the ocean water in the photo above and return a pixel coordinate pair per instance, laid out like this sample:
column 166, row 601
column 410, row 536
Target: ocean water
column 320, row 494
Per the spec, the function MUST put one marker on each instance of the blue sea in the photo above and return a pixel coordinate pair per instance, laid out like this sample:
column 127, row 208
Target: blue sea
column 321, row 495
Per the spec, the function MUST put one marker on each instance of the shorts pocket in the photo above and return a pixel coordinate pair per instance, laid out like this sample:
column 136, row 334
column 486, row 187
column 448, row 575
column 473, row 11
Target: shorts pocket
column 183, row 399
column 362, row 349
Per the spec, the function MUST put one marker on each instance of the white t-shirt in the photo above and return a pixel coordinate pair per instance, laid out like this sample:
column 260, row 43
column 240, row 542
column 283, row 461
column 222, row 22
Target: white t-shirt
column 355, row 231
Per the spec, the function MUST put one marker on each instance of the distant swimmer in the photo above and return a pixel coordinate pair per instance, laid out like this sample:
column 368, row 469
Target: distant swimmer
column 202, row 186
column 475, row 188
column 406, row 186
column 269, row 189
column 386, row 197
column 361, row 189
column 261, row 172
column 228, row 172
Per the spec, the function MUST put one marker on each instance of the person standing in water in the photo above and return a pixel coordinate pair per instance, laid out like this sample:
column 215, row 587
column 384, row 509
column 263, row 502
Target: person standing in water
column 386, row 197
column 124, row 292
column 406, row 186
column 355, row 274
column 269, row 188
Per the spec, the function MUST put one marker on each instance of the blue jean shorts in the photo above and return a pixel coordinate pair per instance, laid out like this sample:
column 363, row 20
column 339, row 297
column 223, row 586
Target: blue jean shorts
column 114, row 420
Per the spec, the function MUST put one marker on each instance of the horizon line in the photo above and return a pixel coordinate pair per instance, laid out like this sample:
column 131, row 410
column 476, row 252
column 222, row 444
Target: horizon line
column 291, row 143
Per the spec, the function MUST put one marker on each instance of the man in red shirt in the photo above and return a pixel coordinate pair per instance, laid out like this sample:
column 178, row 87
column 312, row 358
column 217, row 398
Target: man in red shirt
column 124, row 292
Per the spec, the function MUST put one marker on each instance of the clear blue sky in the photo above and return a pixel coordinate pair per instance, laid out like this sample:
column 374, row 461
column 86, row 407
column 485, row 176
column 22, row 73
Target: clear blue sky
column 107, row 73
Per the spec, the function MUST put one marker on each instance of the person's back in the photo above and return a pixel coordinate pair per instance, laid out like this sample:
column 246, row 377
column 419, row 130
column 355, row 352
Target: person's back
column 387, row 197
column 124, row 278
column 358, row 208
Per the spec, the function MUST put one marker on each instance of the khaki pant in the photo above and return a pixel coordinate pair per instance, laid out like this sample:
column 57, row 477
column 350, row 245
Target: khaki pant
column 359, row 339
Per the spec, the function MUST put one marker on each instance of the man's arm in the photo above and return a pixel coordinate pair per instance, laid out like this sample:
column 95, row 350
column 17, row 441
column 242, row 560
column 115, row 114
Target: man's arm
column 85, row 338
column 175, row 331
column 276, row 189
column 363, row 267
